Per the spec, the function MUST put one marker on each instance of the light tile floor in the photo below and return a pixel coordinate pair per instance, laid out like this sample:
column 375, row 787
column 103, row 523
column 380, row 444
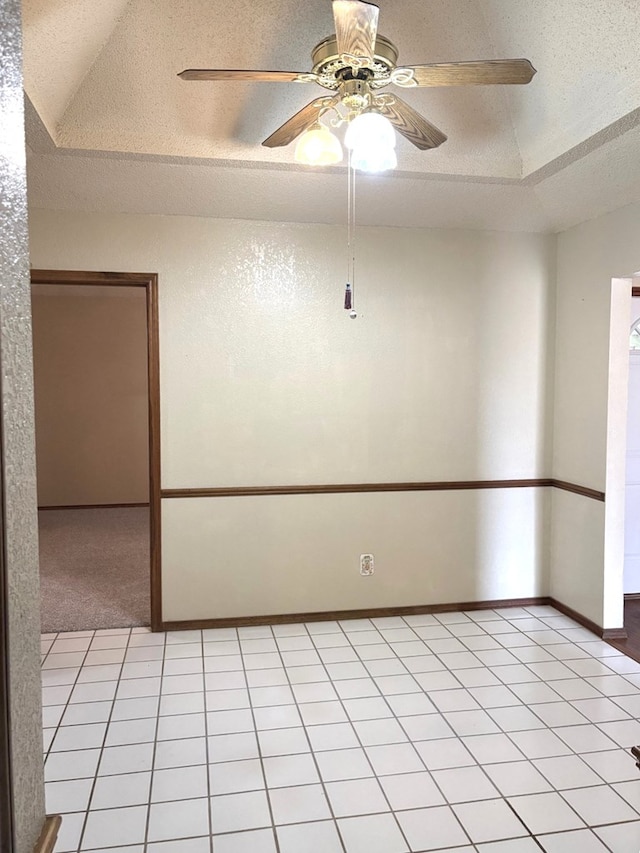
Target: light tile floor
column 502, row 731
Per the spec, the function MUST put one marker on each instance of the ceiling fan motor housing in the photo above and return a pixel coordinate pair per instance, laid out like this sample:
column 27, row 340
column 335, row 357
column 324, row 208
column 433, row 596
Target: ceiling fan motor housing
column 332, row 70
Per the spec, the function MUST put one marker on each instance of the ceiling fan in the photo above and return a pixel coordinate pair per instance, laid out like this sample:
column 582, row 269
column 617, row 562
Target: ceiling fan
column 356, row 63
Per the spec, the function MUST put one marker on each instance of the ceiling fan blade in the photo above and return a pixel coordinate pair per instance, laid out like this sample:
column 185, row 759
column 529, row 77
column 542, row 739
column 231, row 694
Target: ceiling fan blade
column 298, row 123
column 258, row 76
column 482, row 73
column 411, row 124
column 356, row 27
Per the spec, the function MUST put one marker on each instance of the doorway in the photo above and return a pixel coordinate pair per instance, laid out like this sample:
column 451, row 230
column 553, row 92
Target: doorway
column 98, row 456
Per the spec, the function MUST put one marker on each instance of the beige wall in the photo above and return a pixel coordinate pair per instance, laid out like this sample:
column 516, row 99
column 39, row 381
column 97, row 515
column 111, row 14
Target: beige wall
column 590, row 409
column 445, row 375
column 90, row 363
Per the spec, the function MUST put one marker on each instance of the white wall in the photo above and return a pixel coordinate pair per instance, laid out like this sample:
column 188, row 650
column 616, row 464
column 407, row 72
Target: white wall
column 632, row 480
column 265, row 380
column 294, row 554
column 586, row 543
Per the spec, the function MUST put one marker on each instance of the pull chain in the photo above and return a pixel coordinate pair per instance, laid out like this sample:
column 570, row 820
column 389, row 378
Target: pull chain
column 349, row 295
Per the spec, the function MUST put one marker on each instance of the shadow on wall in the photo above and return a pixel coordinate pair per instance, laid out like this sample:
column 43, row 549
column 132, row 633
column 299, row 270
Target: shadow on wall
column 513, row 353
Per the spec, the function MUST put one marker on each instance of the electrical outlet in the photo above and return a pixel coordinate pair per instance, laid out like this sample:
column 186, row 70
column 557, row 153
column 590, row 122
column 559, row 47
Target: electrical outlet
column 366, row 565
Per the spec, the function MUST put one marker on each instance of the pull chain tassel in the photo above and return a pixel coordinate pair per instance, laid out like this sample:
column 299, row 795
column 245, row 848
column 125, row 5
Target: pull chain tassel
column 347, row 297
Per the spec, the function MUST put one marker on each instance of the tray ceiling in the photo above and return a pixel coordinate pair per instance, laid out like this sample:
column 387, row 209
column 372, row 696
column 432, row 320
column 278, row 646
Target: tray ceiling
column 106, row 107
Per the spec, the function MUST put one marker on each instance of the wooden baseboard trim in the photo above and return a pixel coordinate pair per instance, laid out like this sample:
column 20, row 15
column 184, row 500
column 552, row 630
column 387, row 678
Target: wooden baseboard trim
column 614, row 634
column 604, row 633
column 93, row 506
column 412, row 610
column 334, row 615
column 577, row 617
column 49, row 834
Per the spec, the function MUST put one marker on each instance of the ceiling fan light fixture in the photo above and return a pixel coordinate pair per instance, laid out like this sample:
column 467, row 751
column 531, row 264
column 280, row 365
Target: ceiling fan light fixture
column 318, row 147
column 370, row 130
column 374, row 158
column 354, row 63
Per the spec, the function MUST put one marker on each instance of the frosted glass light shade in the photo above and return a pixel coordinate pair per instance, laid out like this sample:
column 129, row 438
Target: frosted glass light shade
column 370, row 129
column 318, row 147
column 370, row 159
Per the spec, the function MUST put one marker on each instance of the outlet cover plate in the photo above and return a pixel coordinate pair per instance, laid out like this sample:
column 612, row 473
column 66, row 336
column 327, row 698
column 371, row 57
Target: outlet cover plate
column 366, row 565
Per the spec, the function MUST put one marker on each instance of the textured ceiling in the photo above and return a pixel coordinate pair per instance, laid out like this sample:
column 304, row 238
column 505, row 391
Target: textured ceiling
column 111, row 127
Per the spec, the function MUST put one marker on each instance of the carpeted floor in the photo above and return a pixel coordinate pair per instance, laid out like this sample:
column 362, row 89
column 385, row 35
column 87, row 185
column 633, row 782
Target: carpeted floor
column 94, row 568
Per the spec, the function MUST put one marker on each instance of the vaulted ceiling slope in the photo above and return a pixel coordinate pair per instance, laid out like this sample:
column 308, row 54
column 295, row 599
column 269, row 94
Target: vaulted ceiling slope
column 107, row 112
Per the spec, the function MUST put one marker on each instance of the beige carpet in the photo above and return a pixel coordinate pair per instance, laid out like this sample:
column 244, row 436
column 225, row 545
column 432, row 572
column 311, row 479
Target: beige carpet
column 94, row 568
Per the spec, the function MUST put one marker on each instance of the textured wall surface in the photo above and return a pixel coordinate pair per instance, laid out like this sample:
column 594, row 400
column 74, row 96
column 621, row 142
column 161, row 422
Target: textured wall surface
column 265, row 380
column 445, row 375
column 19, row 449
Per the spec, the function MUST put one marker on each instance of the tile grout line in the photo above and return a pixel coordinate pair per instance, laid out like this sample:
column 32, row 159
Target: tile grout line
column 74, row 684
column 357, row 735
column 393, row 812
column 439, row 712
column 477, row 764
column 82, row 668
column 574, row 754
column 321, row 780
column 530, row 761
column 480, row 766
column 259, row 746
column 145, row 842
column 531, row 707
column 206, row 743
column 384, row 696
column 102, row 748
column 547, row 728
column 504, row 732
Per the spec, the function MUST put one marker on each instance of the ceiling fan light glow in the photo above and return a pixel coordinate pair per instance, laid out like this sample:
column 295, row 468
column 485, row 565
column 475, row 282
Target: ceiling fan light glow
column 318, row 147
column 369, row 158
column 370, row 130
